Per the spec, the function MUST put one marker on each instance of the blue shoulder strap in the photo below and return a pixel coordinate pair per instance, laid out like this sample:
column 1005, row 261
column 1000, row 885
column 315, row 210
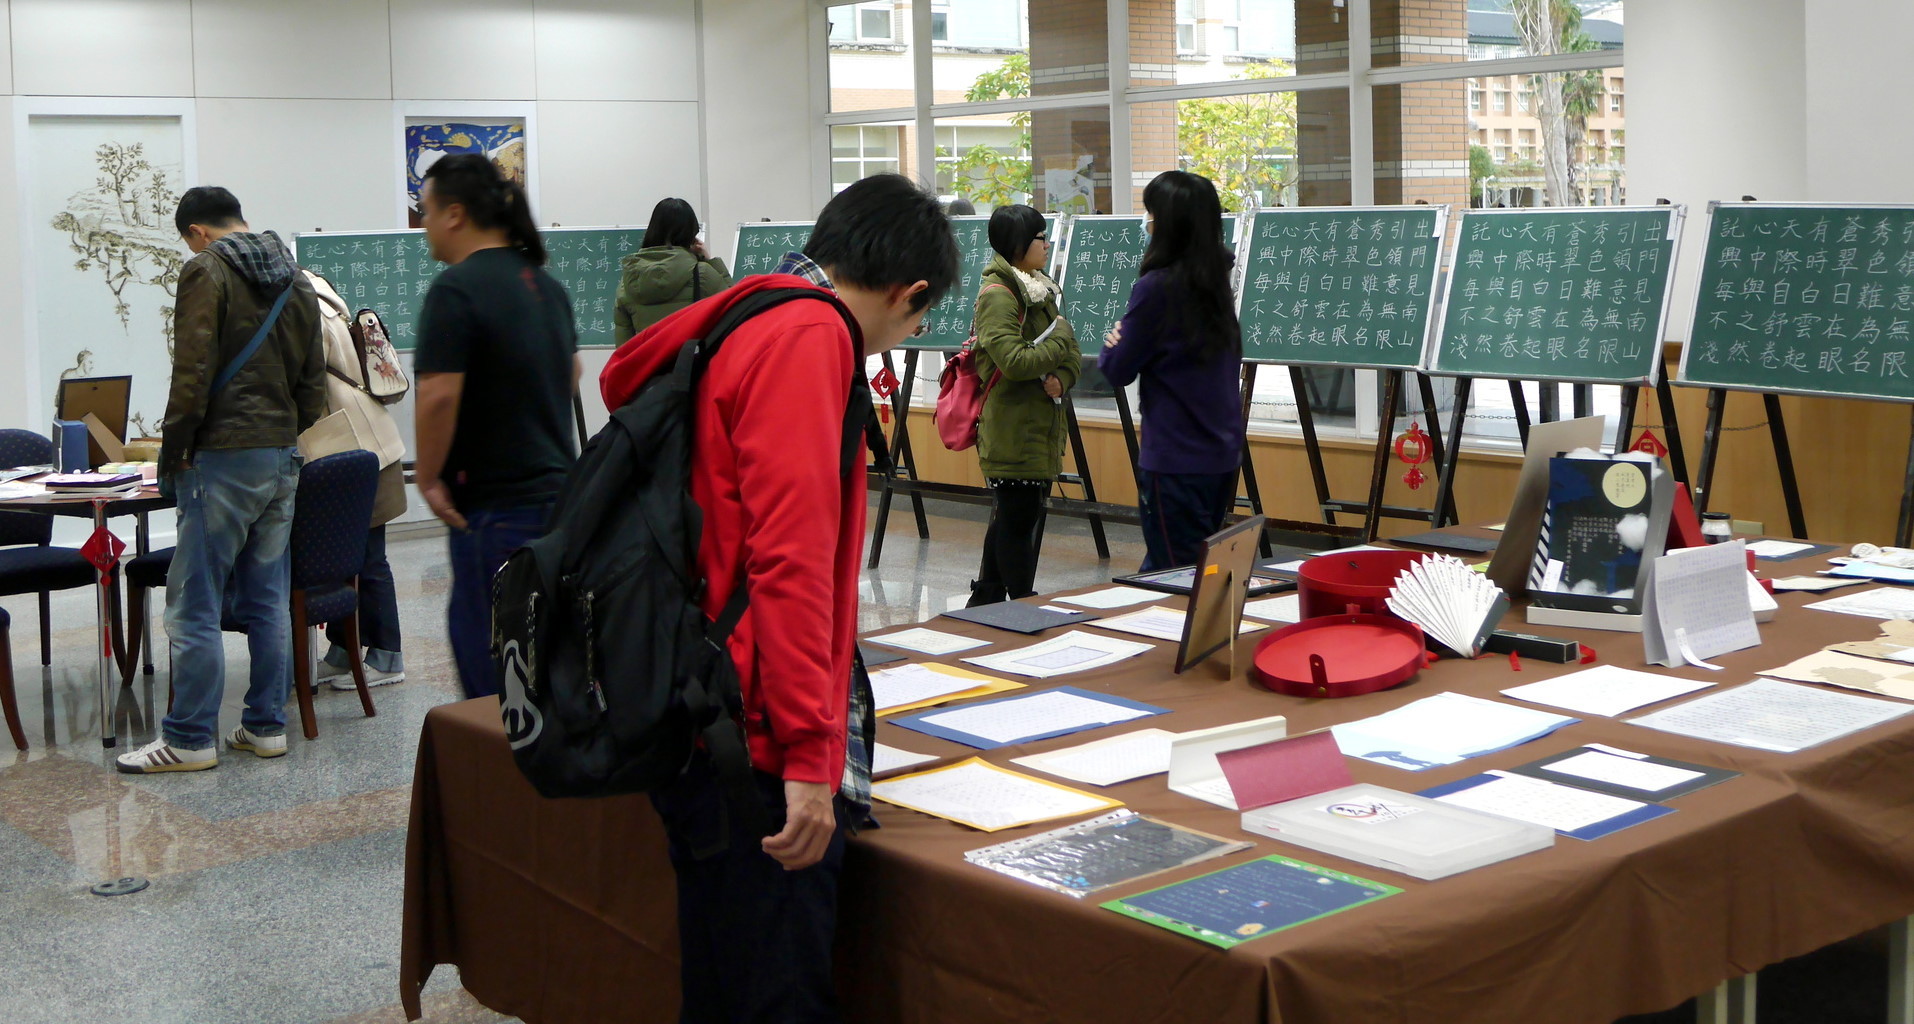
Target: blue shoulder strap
column 232, row 369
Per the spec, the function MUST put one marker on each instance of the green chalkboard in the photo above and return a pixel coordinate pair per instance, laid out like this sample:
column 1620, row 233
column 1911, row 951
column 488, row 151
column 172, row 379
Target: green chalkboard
column 1340, row 286
column 761, row 244
column 1575, row 294
column 1098, row 265
column 1809, row 299
column 949, row 320
column 391, row 271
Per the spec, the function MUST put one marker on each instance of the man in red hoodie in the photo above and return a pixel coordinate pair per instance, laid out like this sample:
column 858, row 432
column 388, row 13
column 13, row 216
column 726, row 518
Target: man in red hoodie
column 756, row 913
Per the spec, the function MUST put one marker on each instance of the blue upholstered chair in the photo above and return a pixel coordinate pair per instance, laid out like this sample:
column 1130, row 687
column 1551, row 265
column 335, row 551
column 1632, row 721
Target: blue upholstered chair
column 331, row 517
column 8, row 705
column 28, row 564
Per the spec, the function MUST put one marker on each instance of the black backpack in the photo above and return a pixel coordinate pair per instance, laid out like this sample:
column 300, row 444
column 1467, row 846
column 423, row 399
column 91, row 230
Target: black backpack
column 612, row 672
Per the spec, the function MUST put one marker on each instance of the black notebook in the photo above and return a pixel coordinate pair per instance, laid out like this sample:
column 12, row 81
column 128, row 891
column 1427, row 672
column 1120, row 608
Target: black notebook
column 1449, row 541
column 1018, row 617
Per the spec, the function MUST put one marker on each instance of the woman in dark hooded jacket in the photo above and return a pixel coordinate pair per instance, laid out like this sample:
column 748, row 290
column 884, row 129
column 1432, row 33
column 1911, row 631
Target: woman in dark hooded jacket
column 669, row 273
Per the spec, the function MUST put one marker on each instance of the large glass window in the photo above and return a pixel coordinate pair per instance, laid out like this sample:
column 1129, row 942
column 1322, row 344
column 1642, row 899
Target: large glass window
column 858, row 151
column 870, row 62
column 1194, row 41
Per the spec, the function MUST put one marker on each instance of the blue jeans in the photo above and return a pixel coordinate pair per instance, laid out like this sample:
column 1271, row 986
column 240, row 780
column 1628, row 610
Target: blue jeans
column 235, row 517
column 378, row 613
column 1179, row 512
column 478, row 551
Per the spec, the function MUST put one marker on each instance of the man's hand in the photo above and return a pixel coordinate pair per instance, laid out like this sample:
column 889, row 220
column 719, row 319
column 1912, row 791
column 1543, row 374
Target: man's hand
column 1052, row 386
column 809, row 823
column 439, row 497
column 1116, row 334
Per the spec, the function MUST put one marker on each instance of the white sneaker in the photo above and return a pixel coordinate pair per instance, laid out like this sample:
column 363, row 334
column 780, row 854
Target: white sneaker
column 264, row 746
column 327, row 670
column 161, row 756
column 374, row 677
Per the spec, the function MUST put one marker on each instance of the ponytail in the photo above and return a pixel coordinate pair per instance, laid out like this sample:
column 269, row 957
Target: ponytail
column 493, row 201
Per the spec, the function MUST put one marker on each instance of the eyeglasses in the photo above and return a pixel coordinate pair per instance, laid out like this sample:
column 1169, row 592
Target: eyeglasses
column 923, row 328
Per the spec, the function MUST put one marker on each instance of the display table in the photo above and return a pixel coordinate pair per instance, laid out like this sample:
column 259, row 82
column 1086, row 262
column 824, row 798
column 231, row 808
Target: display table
column 562, row 911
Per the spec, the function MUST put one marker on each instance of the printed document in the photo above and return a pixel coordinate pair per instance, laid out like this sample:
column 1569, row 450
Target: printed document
column 1605, row 690
column 929, row 641
column 1562, row 808
column 1770, row 715
column 1040, row 714
column 1443, row 729
column 889, row 759
column 1075, row 651
column 913, row 686
column 1618, row 769
column 977, row 793
column 1107, row 762
column 1161, row 623
column 1112, row 597
column 1879, row 603
column 1286, row 608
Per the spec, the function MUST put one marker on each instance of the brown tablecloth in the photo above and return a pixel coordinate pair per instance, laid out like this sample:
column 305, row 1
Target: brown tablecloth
column 562, row 911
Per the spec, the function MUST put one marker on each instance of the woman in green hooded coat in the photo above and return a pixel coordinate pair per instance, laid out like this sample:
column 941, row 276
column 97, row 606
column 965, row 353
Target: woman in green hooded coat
column 1028, row 349
column 669, row 273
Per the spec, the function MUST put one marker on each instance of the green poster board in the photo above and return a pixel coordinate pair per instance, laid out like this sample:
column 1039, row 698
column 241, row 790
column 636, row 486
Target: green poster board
column 761, row 244
column 391, row 271
column 1096, row 268
column 949, row 320
column 1340, row 286
column 1558, row 294
column 1805, row 298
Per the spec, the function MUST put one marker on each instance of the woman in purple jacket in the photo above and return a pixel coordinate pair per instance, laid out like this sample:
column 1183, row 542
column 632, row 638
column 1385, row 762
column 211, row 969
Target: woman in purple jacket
column 1181, row 337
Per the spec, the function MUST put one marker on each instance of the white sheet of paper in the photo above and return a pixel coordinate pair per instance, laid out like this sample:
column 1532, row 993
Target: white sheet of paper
column 21, row 489
column 1286, row 608
column 1605, row 690
column 893, row 686
column 1161, row 623
column 988, row 796
column 1075, row 651
column 889, row 759
column 1872, row 571
column 1564, row 808
column 1879, row 603
column 1296, row 563
column 928, row 641
column 1777, row 548
column 1006, row 720
column 1443, row 729
column 1771, row 715
column 1698, row 606
column 1602, row 766
column 1107, row 762
column 1113, row 597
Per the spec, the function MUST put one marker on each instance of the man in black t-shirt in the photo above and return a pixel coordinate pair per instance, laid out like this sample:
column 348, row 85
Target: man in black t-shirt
column 497, row 365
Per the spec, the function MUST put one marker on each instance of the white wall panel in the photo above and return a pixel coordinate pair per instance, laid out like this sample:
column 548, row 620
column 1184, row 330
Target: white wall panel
column 759, row 121
column 294, row 50
column 617, row 50
column 1715, row 111
column 609, row 163
column 463, row 50
column 1860, row 144
column 297, row 165
column 102, row 47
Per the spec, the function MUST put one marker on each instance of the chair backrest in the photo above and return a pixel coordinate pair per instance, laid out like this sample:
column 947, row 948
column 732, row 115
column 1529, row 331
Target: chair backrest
column 331, row 516
column 24, row 448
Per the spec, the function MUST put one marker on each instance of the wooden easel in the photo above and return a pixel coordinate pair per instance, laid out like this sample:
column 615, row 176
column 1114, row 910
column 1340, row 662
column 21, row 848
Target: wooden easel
column 1783, row 460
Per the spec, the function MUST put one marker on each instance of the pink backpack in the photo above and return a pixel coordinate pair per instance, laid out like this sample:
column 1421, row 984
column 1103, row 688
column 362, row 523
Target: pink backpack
column 961, row 392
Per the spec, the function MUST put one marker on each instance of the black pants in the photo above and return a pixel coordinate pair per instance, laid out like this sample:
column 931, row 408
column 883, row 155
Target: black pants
column 1009, row 568
column 1179, row 512
column 755, row 938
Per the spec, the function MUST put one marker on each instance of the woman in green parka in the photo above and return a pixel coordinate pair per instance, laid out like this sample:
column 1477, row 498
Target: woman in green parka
column 669, row 273
column 1022, row 336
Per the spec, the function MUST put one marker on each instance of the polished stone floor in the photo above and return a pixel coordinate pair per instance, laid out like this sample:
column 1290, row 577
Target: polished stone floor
column 275, row 885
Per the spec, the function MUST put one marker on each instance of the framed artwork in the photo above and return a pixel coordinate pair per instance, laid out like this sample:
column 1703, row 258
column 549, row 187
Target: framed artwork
column 430, row 132
column 100, row 182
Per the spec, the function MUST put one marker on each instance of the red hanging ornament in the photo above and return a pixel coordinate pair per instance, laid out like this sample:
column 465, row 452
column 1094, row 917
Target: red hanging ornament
column 1651, row 444
column 103, row 550
column 884, row 383
column 884, row 414
column 1413, row 448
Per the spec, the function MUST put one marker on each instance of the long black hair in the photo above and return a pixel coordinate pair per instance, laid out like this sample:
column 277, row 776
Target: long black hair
column 1186, row 244
column 1012, row 229
column 492, row 200
column 673, row 222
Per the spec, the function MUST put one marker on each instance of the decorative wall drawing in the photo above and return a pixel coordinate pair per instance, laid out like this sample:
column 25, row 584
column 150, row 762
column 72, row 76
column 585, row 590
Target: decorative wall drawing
column 106, row 257
column 428, row 141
